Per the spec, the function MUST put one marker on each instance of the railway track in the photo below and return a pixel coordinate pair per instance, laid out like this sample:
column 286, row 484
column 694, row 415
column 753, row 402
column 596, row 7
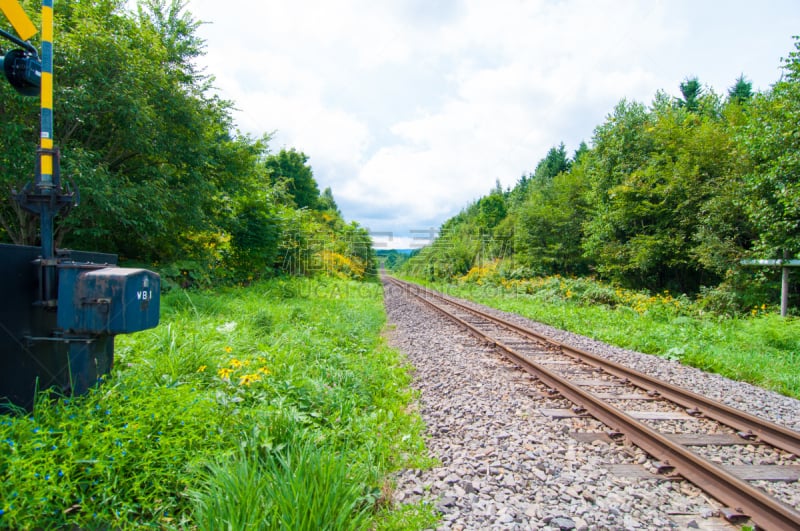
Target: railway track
column 608, row 391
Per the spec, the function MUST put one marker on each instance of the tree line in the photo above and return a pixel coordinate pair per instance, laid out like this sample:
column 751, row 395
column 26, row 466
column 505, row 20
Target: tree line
column 163, row 175
column 670, row 195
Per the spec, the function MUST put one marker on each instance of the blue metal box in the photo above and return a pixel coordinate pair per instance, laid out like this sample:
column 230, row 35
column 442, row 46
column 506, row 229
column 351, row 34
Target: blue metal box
column 107, row 300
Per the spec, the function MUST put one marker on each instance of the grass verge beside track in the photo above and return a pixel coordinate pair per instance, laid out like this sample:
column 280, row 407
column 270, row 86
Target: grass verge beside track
column 276, row 406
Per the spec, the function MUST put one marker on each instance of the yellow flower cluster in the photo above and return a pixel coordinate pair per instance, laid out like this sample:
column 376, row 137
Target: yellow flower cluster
column 641, row 302
column 233, row 367
column 342, row 266
column 528, row 285
column 481, row 274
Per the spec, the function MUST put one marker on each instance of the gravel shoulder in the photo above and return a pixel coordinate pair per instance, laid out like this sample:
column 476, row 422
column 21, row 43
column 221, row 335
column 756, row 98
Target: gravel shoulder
column 505, row 465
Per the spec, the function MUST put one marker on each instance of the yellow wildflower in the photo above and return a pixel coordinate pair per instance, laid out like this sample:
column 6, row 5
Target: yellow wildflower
column 263, row 370
column 228, row 349
column 247, row 379
column 201, row 368
column 224, row 373
column 236, row 363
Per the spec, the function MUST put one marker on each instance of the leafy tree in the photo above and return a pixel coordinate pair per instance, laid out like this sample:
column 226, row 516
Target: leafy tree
column 580, row 152
column 17, row 147
column 620, row 148
column 555, row 162
column 644, row 231
column 724, row 233
column 549, row 230
column 519, row 192
column 491, row 211
column 162, row 174
column 355, row 243
column 691, row 90
column 289, row 167
column 326, row 201
column 178, row 32
column 741, row 91
column 255, row 233
column 771, row 142
column 144, row 144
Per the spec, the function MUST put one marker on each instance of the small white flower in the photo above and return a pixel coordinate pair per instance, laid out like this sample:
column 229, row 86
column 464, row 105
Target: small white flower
column 227, row 327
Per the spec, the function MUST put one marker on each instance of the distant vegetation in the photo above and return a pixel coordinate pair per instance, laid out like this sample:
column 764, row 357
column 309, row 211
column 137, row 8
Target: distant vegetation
column 392, row 259
column 667, row 196
column 164, row 177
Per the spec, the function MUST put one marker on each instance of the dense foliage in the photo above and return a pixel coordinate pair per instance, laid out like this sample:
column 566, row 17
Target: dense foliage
column 669, row 196
column 163, row 175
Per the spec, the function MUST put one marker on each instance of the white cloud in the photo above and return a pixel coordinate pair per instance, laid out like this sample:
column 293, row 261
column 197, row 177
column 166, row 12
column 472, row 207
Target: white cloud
column 410, row 110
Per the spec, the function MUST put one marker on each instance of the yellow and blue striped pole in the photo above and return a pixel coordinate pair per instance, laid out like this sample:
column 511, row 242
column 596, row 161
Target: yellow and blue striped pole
column 47, row 94
column 45, row 178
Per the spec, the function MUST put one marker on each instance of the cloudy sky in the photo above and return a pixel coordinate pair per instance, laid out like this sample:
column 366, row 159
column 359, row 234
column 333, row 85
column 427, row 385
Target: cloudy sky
column 411, row 109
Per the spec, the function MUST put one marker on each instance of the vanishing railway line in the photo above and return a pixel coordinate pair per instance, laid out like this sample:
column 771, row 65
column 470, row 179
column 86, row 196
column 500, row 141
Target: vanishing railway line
column 670, row 424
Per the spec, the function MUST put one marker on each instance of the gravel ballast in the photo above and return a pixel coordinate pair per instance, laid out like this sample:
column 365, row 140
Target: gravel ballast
column 506, row 465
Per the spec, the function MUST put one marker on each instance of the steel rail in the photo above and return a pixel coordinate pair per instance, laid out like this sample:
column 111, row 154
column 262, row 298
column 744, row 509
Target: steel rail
column 749, row 425
column 764, row 511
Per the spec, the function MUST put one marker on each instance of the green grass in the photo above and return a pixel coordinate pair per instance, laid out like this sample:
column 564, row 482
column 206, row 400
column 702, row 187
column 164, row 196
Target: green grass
column 301, row 486
column 276, row 406
column 761, row 348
